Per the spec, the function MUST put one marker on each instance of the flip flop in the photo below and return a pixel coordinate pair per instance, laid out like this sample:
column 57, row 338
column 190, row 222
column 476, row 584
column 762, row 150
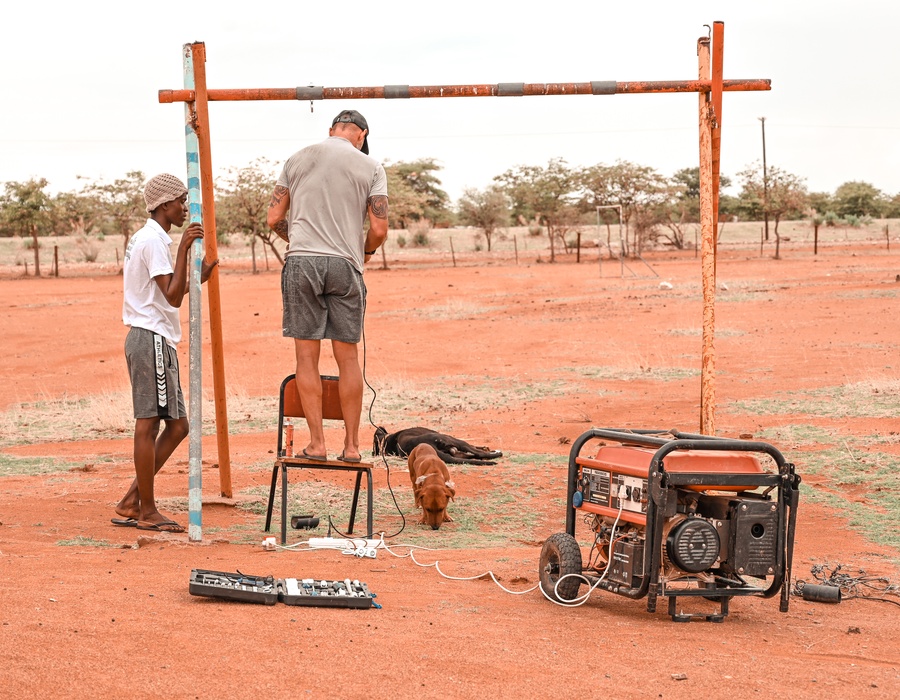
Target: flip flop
column 314, row 458
column 164, row 526
column 124, row 522
column 351, row 460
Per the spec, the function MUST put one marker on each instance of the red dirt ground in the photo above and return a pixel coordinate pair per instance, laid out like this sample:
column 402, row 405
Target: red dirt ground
column 118, row 621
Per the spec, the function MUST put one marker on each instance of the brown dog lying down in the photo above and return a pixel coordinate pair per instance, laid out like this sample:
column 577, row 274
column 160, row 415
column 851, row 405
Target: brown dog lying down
column 431, row 484
column 450, row 449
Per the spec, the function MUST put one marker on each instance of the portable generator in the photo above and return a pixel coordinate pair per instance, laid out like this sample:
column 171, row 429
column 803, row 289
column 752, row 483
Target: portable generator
column 675, row 514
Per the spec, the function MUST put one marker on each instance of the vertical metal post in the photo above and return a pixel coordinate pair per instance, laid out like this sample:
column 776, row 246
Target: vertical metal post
column 198, row 51
column 707, row 251
column 765, row 179
column 195, row 478
column 716, row 96
column 622, row 245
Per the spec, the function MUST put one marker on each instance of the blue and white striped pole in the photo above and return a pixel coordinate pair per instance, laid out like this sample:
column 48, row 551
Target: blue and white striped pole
column 195, row 476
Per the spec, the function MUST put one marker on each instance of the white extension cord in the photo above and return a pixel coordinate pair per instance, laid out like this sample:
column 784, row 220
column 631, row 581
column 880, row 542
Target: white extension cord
column 344, row 543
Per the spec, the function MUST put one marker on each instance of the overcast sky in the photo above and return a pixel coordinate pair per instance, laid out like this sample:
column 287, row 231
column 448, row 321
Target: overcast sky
column 79, row 84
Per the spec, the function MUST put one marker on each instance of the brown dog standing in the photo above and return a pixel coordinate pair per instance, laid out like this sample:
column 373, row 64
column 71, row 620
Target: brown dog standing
column 431, row 485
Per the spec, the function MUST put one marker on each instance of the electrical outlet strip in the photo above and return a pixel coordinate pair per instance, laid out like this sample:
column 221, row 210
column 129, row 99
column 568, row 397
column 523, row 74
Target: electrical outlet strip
column 342, row 543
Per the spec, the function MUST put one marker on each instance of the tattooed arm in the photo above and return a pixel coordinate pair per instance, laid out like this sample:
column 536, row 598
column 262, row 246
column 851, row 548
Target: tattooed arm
column 378, row 223
column 279, row 206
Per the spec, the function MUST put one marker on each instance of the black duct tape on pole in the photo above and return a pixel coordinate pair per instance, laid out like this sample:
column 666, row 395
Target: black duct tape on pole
column 311, row 92
column 510, row 89
column 821, row 594
column 603, row 87
column 396, row 92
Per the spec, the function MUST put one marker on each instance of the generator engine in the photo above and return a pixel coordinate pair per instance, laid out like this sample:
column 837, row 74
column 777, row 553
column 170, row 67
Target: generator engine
column 674, row 514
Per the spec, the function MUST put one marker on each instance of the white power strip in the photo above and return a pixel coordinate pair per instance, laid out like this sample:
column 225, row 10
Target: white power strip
column 342, row 543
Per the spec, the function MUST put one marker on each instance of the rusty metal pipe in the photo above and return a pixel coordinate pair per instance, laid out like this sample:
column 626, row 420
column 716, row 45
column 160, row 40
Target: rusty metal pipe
column 716, row 99
column 708, row 229
column 198, row 51
column 487, row 90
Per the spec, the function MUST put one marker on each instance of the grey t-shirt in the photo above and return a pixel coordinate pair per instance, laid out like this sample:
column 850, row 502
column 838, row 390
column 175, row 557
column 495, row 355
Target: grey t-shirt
column 330, row 184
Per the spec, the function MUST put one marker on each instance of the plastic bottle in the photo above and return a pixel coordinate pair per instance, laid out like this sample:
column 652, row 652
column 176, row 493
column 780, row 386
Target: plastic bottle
column 288, row 437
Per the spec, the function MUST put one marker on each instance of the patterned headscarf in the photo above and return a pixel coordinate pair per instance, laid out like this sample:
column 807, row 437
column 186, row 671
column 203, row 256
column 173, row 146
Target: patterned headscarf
column 161, row 189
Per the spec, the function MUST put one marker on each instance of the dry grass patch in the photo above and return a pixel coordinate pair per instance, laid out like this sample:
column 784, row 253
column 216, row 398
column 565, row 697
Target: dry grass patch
column 109, row 415
column 875, row 398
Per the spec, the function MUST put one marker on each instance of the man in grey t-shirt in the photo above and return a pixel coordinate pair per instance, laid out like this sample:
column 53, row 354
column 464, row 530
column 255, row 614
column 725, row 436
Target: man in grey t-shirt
column 319, row 206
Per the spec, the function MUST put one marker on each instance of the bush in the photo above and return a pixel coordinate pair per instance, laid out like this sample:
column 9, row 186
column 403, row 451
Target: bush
column 831, row 219
column 89, row 247
column 401, row 241
column 419, row 231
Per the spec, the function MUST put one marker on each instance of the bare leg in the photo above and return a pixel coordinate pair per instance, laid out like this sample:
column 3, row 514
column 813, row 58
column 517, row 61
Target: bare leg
column 152, row 450
column 309, row 386
column 350, row 389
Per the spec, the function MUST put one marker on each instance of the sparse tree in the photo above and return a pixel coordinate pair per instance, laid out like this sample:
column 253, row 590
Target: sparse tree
column 821, row 202
column 76, row 213
column 787, row 196
column 419, row 176
column 688, row 182
column 122, row 202
column 407, row 204
column 242, row 204
column 892, row 207
column 487, row 209
column 632, row 186
column 25, row 208
column 858, row 199
column 543, row 192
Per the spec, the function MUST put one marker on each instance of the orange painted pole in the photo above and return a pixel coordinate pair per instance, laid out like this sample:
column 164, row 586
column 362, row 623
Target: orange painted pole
column 707, row 252
column 198, row 51
column 389, row 92
column 716, row 97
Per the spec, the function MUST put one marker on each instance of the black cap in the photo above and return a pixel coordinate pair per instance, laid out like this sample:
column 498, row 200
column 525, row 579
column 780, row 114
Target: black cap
column 351, row 116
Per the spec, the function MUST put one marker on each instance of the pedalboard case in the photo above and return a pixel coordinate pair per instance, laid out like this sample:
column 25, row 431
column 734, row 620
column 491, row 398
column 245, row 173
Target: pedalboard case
column 290, row 591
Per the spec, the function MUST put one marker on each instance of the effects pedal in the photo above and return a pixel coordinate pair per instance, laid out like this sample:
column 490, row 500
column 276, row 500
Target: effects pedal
column 290, row 591
column 234, row 586
column 325, row 593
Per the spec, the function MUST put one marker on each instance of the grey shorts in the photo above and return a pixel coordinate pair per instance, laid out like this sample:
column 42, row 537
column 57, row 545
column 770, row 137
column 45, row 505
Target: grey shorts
column 155, row 383
column 324, row 297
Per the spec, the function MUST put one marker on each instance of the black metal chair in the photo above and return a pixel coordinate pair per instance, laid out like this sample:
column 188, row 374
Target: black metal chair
column 289, row 406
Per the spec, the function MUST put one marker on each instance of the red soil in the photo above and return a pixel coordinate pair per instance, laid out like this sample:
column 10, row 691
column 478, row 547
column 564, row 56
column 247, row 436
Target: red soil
column 118, row 622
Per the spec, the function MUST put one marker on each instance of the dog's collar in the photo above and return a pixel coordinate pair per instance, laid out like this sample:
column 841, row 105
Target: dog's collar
column 422, row 478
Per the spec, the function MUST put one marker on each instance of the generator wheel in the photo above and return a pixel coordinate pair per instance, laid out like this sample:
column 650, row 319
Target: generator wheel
column 560, row 556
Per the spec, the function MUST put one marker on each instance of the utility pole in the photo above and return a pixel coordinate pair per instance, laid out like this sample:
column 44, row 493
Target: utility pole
column 765, row 179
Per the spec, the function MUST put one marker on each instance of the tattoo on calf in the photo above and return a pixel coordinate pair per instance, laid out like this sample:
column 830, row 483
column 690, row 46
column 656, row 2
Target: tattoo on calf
column 379, row 206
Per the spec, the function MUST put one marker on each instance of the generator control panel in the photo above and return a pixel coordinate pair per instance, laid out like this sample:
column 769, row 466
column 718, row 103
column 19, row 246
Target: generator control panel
column 605, row 488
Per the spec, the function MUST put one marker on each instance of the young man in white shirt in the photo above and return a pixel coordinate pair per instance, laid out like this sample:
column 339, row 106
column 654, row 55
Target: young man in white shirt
column 154, row 288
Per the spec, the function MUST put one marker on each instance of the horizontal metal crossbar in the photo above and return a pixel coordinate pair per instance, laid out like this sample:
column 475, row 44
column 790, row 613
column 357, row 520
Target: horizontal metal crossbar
column 389, row 92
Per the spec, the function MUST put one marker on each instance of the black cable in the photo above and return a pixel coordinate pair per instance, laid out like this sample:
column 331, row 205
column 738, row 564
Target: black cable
column 851, row 586
column 381, row 442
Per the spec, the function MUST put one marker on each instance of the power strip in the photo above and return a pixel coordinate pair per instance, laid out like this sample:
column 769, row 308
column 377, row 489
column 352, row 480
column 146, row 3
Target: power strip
column 343, row 543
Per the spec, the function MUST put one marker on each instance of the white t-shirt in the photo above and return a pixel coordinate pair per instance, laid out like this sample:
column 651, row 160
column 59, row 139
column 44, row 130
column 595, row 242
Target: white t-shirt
column 330, row 184
column 144, row 305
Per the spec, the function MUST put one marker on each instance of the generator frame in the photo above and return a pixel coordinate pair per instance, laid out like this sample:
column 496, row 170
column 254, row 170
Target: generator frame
column 662, row 485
